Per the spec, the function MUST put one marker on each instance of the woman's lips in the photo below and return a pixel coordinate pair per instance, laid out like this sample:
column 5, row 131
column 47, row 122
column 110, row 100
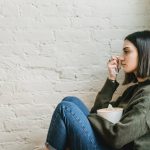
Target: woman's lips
column 123, row 65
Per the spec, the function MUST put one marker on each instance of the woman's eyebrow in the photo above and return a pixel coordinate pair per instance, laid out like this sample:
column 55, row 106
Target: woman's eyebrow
column 125, row 48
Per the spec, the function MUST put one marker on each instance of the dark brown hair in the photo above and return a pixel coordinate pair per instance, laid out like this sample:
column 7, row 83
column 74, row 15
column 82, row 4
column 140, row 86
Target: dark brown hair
column 141, row 41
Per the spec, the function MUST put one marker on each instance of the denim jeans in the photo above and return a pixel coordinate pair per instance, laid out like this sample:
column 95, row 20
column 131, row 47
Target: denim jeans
column 70, row 127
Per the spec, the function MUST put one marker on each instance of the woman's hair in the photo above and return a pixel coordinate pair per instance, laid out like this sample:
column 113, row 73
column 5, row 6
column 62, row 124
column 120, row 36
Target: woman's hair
column 141, row 40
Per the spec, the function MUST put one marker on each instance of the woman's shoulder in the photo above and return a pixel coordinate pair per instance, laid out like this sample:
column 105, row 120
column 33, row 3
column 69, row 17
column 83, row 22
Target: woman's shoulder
column 145, row 88
column 140, row 93
column 142, row 88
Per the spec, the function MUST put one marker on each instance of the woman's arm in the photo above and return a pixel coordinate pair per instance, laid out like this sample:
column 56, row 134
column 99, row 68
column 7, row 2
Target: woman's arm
column 105, row 95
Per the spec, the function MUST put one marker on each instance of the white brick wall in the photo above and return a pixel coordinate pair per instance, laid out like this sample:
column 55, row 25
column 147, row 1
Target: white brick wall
column 53, row 48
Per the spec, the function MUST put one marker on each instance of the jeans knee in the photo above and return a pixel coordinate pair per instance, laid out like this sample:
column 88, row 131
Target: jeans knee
column 71, row 99
column 62, row 105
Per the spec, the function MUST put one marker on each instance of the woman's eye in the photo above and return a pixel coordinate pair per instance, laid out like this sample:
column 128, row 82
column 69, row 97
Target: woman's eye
column 126, row 52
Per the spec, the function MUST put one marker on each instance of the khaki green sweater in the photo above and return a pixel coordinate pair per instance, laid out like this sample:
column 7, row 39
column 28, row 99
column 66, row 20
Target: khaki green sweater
column 132, row 132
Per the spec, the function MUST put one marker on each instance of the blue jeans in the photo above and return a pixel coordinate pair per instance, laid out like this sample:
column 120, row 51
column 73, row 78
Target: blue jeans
column 70, row 127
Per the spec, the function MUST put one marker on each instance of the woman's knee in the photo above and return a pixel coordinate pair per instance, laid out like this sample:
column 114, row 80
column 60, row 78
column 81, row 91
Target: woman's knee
column 65, row 108
column 64, row 105
column 76, row 101
column 71, row 99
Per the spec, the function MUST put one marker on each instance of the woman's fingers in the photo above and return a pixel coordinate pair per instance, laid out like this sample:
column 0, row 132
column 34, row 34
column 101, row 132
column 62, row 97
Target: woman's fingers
column 112, row 62
column 115, row 61
column 113, row 67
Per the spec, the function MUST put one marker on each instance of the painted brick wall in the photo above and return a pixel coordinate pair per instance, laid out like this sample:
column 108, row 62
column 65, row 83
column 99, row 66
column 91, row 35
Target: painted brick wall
column 53, row 48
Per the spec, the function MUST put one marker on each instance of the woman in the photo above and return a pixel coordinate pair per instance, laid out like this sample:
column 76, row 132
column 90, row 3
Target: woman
column 73, row 126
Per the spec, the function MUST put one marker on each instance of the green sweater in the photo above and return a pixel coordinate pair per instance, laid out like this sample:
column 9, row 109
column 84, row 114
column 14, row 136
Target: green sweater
column 132, row 132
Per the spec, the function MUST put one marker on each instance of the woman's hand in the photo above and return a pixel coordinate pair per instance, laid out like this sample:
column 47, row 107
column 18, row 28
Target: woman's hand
column 113, row 67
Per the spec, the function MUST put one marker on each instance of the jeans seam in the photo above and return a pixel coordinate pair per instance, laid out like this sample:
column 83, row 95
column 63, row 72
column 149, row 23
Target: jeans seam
column 53, row 124
column 54, row 119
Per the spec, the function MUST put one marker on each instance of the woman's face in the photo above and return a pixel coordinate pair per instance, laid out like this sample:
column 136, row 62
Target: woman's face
column 129, row 58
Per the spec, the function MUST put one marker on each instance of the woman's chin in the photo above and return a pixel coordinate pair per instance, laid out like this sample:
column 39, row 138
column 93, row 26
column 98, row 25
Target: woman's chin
column 127, row 71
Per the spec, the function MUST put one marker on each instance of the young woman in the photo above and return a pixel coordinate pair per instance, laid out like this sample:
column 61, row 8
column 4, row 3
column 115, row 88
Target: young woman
column 73, row 126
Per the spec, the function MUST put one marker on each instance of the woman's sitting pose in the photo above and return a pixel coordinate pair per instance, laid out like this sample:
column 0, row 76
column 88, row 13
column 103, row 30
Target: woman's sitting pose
column 73, row 126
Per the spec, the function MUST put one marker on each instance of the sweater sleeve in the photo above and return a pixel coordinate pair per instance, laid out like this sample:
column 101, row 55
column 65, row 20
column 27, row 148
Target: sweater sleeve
column 132, row 125
column 105, row 95
column 148, row 118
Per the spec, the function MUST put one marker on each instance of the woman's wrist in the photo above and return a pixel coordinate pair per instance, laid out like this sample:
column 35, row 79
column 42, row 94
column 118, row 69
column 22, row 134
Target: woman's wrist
column 112, row 78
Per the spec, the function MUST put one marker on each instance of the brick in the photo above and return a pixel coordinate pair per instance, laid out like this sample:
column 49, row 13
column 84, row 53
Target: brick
column 91, row 22
column 133, row 21
column 6, row 112
column 73, row 35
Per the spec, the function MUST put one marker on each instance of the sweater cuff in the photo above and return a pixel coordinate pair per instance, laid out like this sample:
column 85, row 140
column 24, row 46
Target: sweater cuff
column 110, row 86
